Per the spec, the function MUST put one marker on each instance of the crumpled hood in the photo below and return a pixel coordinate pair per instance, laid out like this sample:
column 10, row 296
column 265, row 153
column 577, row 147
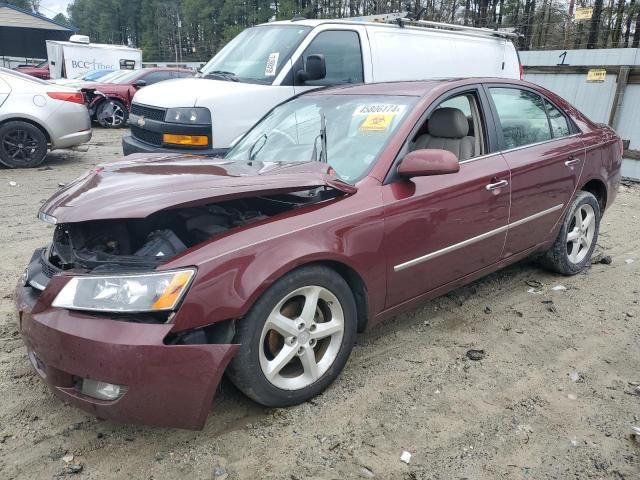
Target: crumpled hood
column 144, row 184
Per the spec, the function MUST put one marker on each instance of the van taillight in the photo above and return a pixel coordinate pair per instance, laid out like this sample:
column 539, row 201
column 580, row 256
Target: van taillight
column 521, row 71
column 74, row 97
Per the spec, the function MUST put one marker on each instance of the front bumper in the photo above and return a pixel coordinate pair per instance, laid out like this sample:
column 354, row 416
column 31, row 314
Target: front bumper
column 166, row 385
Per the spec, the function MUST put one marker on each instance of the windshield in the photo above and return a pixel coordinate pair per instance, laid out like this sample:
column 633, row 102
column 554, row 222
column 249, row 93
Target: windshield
column 256, row 55
column 347, row 131
column 93, row 75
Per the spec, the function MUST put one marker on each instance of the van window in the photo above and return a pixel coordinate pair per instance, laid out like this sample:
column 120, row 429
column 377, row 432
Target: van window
column 522, row 115
column 559, row 124
column 343, row 56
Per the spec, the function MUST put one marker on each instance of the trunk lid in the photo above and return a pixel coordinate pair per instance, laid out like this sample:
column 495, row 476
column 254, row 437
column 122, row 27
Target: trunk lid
column 144, row 184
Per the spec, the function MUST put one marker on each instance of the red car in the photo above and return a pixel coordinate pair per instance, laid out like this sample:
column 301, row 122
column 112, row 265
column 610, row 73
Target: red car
column 110, row 103
column 39, row 71
column 340, row 208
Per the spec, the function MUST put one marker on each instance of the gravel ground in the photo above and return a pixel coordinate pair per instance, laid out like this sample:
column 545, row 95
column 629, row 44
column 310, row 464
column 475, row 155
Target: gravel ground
column 553, row 398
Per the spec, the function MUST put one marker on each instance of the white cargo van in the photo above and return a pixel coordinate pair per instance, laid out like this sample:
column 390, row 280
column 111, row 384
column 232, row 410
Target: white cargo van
column 268, row 64
column 77, row 56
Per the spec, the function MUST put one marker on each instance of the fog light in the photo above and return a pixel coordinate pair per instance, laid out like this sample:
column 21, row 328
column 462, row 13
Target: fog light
column 197, row 140
column 101, row 390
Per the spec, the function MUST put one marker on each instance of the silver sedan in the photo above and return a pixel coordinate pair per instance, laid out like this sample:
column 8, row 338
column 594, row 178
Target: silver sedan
column 36, row 116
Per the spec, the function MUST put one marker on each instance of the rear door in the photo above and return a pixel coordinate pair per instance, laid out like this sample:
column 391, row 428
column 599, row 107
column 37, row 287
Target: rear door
column 545, row 154
column 5, row 89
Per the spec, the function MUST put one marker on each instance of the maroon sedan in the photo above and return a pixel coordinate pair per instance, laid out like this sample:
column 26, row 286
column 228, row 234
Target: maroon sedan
column 39, row 71
column 340, row 208
column 109, row 103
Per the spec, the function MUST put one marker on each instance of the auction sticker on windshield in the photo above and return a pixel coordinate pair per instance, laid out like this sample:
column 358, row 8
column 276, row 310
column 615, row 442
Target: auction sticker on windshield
column 378, row 116
column 272, row 64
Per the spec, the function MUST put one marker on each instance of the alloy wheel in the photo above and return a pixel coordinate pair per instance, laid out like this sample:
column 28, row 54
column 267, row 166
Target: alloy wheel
column 20, row 145
column 581, row 232
column 301, row 338
column 111, row 114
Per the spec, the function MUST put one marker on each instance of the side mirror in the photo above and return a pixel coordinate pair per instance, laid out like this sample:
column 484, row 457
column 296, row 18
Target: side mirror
column 140, row 83
column 315, row 68
column 421, row 163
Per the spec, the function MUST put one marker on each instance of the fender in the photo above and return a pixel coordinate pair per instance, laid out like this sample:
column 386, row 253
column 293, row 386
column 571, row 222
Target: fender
column 348, row 232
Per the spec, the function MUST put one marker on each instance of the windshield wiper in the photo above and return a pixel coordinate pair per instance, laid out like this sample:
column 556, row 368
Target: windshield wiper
column 223, row 75
column 252, row 154
column 323, row 142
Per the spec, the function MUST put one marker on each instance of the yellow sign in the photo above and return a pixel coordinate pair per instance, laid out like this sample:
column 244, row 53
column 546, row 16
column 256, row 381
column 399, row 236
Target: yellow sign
column 583, row 13
column 596, row 75
column 377, row 122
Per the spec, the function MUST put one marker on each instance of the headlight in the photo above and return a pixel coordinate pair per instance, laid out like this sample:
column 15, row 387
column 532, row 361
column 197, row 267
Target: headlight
column 151, row 292
column 192, row 115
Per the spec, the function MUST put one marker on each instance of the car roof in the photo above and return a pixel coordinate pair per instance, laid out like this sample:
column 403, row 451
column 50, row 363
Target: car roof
column 415, row 88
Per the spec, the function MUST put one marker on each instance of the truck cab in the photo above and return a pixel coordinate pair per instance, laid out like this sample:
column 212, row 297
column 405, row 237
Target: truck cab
column 268, row 64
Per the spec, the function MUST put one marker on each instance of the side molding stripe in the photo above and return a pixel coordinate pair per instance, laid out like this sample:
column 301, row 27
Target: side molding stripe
column 469, row 241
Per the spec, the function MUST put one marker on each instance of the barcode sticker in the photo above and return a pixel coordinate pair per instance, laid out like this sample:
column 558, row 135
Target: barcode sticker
column 272, row 65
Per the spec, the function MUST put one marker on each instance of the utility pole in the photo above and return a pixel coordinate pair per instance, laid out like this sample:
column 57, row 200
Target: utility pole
column 180, row 36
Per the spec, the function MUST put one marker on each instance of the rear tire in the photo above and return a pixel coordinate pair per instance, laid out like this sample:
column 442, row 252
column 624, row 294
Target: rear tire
column 296, row 338
column 22, row 145
column 577, row 238
column 112, row 113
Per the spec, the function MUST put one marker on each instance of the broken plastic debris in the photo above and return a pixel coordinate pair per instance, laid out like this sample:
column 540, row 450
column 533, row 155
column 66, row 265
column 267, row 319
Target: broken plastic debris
column 13, row 184
column 559, row 288
column 405, row 457
column 68, row 458
column 571, row 396
column 575, row 377
column 534, row 291
column 574, row 441
column 628, row 261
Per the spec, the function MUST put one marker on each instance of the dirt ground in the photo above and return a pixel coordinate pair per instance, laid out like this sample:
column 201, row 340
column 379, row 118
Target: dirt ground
column 554, row 397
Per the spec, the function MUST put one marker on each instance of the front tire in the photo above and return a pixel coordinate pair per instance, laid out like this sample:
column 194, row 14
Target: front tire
column 296, row 338
column 22, row 145
column 112, row 113
column 577, row 238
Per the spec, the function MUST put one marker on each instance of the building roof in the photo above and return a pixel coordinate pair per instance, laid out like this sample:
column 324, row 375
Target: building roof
column 12, row 16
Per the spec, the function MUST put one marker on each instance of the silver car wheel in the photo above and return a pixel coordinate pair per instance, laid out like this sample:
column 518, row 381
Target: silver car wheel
column 111, row 114
column 581, row 231
column 301, row 338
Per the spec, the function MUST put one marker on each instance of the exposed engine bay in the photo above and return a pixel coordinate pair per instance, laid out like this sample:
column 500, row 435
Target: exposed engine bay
column 142, row 243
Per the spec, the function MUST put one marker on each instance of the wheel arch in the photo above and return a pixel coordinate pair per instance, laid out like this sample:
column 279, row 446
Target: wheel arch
column 30, row 121
column 598, row 189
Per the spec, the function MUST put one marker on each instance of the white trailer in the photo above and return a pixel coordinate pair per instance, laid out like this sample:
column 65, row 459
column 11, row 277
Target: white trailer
column 77, row 56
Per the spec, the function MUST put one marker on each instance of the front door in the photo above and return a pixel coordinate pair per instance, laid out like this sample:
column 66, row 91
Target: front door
column 545, row 157
column 441, row 228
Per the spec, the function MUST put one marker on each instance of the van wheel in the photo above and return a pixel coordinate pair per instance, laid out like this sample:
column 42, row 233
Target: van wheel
column 296, row 338
column 577, row 238
column 22, row 145
column 112, row 114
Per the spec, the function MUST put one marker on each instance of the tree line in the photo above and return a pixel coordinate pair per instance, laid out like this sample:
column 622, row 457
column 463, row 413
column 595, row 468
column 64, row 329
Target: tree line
column 193, row 30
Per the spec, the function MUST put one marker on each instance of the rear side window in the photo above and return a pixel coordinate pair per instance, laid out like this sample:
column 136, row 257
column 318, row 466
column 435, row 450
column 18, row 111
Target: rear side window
column 343, row 56
column 155, row 77
column 559, row 124
column 522, row 115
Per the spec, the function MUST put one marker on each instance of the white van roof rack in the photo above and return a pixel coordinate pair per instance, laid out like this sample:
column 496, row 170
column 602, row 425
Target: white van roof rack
column 449, row 26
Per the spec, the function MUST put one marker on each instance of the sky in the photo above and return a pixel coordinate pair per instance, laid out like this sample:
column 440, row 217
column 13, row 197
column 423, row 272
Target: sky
column 50, row 8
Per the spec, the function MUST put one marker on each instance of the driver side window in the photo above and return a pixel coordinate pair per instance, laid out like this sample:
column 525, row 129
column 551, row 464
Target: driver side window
column 455, row 125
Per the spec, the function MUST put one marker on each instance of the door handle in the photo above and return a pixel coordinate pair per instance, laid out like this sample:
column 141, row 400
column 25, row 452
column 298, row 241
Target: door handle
column 495, row 186
column 571, row 162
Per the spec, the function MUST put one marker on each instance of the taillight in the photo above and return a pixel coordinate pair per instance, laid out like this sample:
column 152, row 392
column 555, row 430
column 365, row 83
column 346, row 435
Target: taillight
column 521, row 71
column 73, row 97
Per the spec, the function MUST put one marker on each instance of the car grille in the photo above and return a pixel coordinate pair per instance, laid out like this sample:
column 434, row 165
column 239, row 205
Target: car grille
column 48, row 269
column 148, row 112
column 152, row 138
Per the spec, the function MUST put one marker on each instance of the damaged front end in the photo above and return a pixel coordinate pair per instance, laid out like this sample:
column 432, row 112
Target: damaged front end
column 96, row 305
